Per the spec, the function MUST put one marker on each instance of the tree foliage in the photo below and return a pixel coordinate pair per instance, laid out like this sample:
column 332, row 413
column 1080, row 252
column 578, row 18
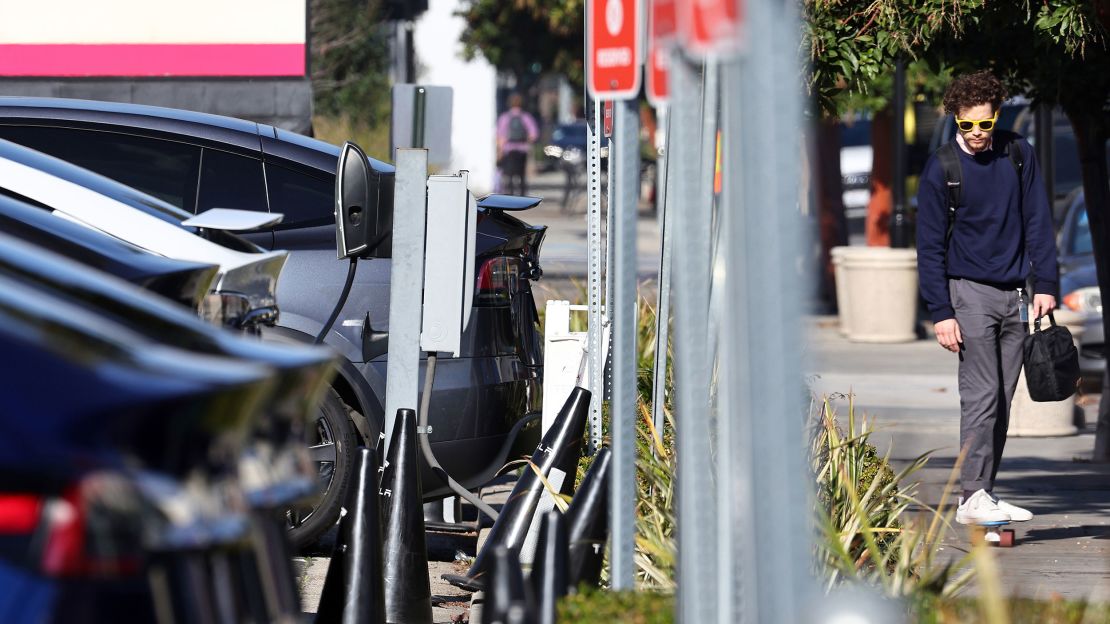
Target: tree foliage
column 851, row 45
column 516, row 35
column 349, row 59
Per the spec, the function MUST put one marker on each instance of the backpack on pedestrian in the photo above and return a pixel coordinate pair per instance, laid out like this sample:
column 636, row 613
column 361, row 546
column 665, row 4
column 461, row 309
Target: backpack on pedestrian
column 518, row 132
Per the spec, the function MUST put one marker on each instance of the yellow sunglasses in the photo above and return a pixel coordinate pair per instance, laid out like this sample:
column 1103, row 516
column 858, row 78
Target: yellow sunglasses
column 986, row 125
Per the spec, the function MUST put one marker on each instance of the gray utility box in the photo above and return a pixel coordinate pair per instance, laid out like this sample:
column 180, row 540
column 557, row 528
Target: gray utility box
column 448, row 263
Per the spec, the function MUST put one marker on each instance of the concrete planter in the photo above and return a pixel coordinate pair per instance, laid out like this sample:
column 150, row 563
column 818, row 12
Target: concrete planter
column 1029, row 418
column 876, row 292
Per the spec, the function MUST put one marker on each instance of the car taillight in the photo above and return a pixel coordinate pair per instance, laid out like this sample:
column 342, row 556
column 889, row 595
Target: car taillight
column 79, row 536
column 19, row 513
column 497, row 282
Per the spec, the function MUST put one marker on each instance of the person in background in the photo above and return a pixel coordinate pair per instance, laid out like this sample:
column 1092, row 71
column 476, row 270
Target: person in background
column 516, row 132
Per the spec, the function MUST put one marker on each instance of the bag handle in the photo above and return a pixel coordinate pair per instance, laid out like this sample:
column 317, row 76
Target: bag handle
column 1037, row 321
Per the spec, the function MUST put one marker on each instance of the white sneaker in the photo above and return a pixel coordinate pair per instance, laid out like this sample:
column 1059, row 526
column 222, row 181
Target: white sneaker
column 980, row 508
column 1017, row 514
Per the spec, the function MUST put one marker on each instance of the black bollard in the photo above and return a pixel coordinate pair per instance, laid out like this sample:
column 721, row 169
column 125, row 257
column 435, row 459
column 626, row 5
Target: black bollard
column 353, row 590
column 408, row 592
column 548, row 579
column 562, row 439
column 587, row 521
column 506, row 595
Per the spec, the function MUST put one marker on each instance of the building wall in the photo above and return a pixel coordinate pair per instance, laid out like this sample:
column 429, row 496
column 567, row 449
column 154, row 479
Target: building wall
column 439, row 62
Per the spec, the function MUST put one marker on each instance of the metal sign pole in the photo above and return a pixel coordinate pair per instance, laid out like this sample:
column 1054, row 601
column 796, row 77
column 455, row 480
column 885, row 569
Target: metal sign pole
column 593, row 240
column 768, row 510
column 610, row 212
column 624, row 406
column 697, row 510
column 663, row 301
column 403, row 368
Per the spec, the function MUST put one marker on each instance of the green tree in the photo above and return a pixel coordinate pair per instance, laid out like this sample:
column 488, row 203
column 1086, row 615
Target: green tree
column 349, row 60
column 515, row 36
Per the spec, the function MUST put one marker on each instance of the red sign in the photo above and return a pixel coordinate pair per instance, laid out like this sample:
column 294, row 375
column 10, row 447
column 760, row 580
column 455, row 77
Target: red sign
column 607, row 119
column 613, row 42
column 661, row 30
column 664, row 19
column 706, row 26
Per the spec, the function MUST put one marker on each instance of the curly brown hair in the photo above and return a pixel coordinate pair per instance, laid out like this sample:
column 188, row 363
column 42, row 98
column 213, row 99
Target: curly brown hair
column 972, row 90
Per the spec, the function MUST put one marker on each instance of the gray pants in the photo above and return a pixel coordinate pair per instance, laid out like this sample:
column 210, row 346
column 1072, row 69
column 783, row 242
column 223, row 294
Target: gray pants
column 990, row 361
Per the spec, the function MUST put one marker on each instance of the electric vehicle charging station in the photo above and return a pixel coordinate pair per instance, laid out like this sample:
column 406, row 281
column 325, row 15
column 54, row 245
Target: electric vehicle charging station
column 448, row 263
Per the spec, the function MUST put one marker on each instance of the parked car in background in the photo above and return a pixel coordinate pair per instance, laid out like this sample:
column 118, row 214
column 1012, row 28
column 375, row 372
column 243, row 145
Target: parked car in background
column 567, row 147
column 855, row 164
column 197, row 162
column 1079, row 285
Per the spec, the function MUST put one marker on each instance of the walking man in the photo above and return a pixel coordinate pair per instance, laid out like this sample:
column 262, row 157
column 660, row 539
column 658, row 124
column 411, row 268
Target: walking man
column 516, row 132
column 984, row 227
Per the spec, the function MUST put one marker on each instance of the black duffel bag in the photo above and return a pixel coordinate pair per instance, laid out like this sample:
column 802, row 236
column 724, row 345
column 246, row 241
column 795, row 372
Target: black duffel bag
column 1051, row 362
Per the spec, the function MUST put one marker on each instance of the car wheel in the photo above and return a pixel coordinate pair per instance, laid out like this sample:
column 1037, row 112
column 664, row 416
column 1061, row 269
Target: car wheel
column 331, row 446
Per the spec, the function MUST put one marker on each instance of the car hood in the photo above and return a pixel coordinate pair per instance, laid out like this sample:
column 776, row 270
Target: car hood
column 178, row 280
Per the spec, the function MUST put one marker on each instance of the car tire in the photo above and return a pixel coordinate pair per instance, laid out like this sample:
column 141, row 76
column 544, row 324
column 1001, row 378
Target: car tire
column 332, row 435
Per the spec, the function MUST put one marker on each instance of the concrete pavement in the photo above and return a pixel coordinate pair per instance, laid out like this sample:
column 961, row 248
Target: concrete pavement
column 910, row 391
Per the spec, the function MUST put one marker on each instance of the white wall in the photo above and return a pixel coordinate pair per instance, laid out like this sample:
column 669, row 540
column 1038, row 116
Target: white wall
column 439, row 62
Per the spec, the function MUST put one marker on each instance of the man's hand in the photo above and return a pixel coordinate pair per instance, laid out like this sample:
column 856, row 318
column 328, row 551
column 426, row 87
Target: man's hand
column 1042, row 305
column 948, row 334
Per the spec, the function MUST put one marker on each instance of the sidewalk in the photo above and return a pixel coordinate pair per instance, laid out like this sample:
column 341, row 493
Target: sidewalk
column 910, row 390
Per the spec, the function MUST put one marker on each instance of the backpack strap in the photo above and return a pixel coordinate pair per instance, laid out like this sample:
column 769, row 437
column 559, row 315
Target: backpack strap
column 950, row 165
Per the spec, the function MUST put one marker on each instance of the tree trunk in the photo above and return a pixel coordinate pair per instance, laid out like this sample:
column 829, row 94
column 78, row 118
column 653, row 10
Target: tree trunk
column 831, row 222
column 882, row 173
column 1091, row 130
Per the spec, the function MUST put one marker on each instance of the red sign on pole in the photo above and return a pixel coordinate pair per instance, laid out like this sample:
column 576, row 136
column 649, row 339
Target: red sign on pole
column 661, row 30
column 607, row 119
column 613, row 43
column 706, row 26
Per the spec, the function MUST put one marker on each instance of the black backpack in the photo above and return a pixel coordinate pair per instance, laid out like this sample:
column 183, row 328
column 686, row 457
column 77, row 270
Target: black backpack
column 1051, row 362
column 518, row 132
column 950, row 164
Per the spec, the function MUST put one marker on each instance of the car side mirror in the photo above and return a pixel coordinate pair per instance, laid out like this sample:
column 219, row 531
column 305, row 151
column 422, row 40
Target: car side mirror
column 362, row 223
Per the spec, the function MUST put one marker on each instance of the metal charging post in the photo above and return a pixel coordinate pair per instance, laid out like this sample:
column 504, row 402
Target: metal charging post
column 593, row 236
column 407, row 268
column 622, row 311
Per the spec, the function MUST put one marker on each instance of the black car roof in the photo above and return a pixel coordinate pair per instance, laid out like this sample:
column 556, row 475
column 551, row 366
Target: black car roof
column 218, row 128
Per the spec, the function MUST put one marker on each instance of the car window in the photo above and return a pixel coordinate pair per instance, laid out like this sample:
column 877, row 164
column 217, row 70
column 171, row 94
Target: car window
column 302, row 198
column 1081, row 237
column 230, row 181
column 164, row 169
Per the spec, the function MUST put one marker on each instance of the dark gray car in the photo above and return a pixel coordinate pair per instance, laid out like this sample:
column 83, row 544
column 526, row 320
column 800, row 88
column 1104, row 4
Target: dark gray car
column 198, row 161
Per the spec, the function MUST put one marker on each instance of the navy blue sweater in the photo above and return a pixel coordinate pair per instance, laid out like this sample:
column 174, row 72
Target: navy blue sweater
column 1000, row 230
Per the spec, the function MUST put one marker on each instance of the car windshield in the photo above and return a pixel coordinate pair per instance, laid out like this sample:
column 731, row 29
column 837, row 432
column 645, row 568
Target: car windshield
column 1081, row 237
